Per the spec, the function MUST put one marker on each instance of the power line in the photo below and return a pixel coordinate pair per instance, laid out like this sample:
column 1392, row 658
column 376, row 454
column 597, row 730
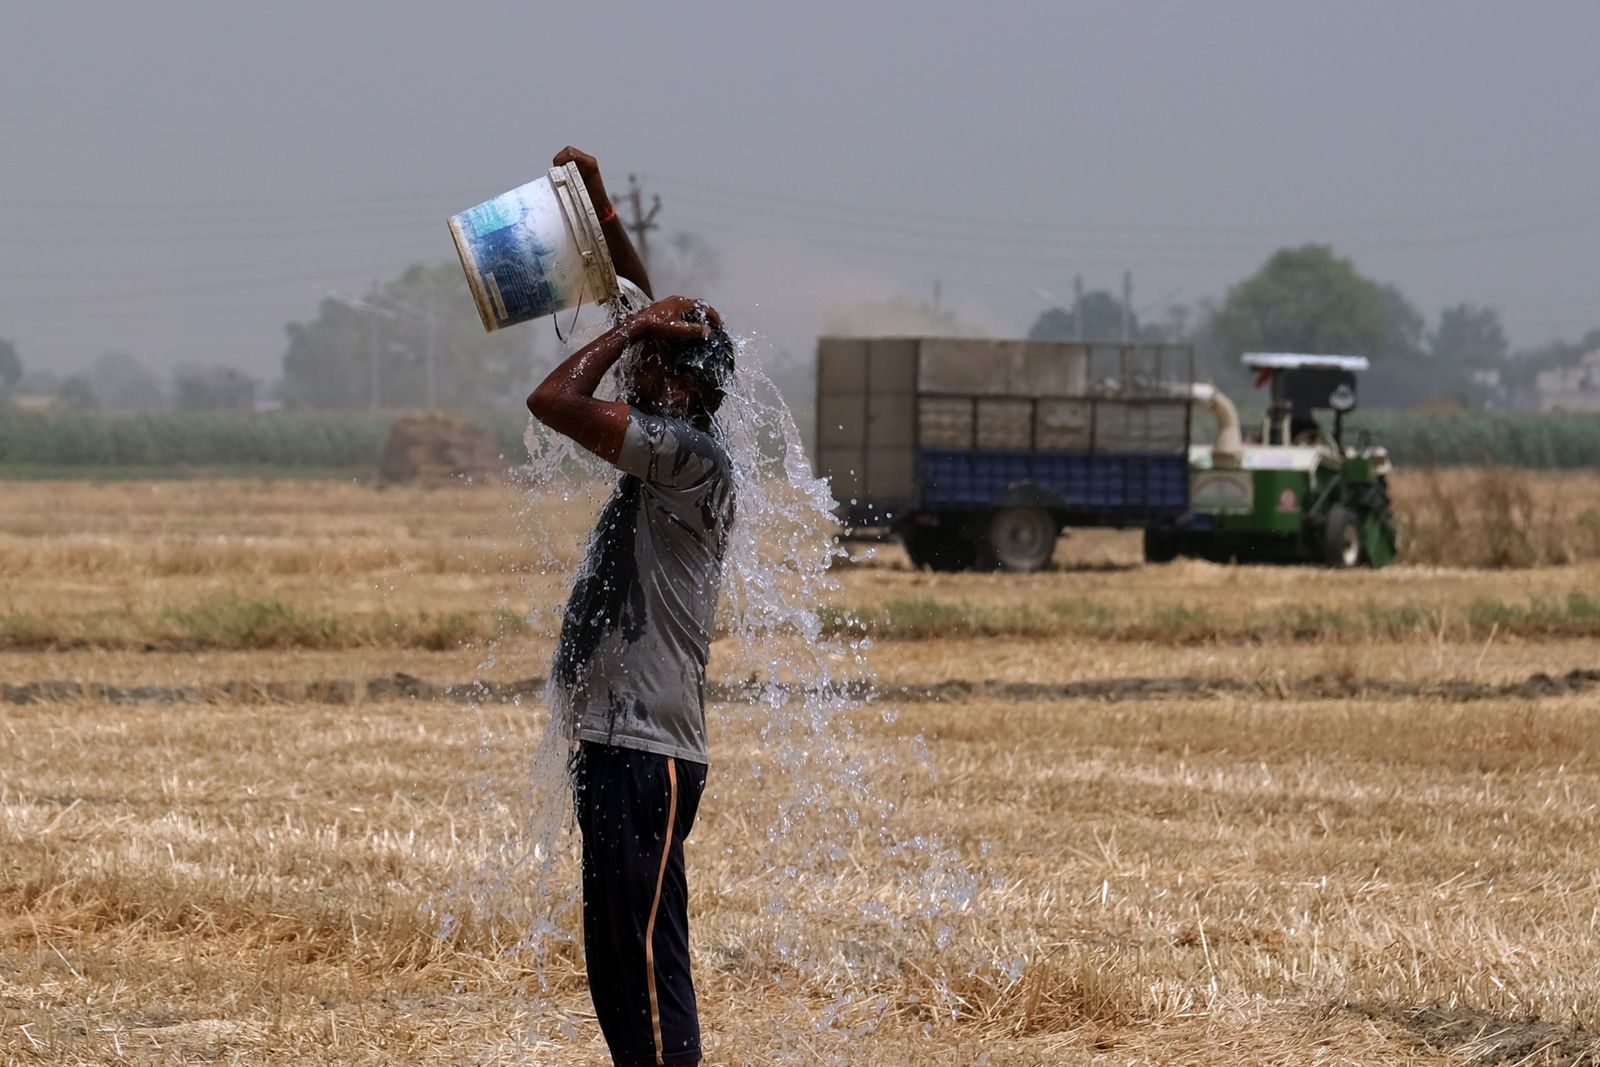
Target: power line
column 210, row 236
column 357, row 200
column 947, row 218
column 359, row 257
column 945, row 233
column 389, row 205
column 964, row 254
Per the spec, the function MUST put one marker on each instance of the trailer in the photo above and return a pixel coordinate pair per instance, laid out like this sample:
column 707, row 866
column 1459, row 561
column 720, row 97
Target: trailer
column 978, row 453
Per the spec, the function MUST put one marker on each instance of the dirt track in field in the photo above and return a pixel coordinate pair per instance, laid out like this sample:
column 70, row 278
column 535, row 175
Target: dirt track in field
column 407, row 687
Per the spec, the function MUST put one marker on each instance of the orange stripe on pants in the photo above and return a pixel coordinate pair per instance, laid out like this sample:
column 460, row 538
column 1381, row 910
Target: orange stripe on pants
column 650, row 926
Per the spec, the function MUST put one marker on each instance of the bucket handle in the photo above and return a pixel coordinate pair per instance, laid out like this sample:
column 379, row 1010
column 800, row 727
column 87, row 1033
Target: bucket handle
column 556, row 319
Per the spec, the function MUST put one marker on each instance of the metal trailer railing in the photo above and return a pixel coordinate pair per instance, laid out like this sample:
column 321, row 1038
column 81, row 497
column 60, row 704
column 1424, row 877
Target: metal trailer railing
column 1113, row 453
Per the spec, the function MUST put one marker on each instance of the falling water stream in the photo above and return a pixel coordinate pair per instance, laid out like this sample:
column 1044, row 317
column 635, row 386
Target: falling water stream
column 847, row 888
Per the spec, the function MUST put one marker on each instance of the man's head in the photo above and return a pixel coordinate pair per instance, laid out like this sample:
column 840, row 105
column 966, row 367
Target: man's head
column 683, row 378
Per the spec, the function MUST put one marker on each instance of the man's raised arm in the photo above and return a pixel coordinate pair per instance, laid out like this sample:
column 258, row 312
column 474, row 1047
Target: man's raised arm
column 623, row 255
column 565, row 400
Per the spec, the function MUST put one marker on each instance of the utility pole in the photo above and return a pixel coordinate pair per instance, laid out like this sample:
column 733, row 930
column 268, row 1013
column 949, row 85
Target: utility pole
column 375, row 344
column 1127, row 306
column 430, row 354
column 642, row 223
column 1077, row 308
column 370, row 339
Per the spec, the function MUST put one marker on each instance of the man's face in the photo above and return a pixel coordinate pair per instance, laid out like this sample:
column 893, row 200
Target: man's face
column 656, row 389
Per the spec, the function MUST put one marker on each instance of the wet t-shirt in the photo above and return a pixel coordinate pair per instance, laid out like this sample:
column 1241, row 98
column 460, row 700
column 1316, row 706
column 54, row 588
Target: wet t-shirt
column 637, row 629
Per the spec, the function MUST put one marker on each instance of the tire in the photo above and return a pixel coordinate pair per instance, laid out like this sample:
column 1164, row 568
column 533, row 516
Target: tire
column 1341, row 539
column 1020, row 540
column 1379, row 539
column 939, row 548
column 1160, row 544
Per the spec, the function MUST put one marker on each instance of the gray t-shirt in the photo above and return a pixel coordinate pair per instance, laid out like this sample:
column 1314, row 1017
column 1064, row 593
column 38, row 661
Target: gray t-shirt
column 637, row 630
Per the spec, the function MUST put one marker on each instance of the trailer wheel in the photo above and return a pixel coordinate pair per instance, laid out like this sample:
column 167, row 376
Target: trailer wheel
column 1341, row 539
column 1020, row 540
column 939, row 548
column 1160, row 544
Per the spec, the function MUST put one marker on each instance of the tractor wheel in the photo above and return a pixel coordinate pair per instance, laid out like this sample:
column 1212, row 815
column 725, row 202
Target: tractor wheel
column 1020, row 540
column 1160, row 544
column 1341, row 539
column 939, row 548
column 1379, row 542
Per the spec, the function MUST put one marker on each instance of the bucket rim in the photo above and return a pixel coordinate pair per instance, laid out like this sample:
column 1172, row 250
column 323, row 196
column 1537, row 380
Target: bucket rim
column 474, row 273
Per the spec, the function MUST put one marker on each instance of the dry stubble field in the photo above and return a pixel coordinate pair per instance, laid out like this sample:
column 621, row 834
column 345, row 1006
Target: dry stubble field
column 1220, row 815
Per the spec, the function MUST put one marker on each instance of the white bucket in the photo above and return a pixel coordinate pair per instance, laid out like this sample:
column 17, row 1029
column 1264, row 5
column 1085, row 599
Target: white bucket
column 534, row 250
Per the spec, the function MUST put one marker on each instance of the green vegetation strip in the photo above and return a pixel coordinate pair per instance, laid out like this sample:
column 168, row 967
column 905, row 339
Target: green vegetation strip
column 178, row 439
column 402, row 686
column 167, row 472
column 1527, row 439
column 303, row 440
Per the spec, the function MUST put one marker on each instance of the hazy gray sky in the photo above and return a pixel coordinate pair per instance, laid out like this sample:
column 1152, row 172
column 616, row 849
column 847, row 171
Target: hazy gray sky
column 178, row 180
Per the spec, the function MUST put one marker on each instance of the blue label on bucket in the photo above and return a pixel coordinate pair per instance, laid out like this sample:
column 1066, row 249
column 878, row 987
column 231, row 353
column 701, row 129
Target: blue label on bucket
column 504, row 210
column 516, row 262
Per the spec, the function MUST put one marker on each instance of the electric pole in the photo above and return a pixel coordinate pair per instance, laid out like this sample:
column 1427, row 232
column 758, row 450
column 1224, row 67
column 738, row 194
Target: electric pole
column 642, row 223
column 430, row 323
column 1127, row 306
column 369, row 340
column 1077, row 308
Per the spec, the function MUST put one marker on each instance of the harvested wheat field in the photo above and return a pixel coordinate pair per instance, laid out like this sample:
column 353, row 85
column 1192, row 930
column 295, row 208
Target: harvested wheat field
column 1208, row 814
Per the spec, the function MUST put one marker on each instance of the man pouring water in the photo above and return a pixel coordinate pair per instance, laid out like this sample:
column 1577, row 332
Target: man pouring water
column 631, row 660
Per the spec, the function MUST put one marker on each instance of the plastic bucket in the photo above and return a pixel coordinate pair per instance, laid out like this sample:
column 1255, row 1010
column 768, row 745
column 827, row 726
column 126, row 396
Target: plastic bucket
column 534, row 250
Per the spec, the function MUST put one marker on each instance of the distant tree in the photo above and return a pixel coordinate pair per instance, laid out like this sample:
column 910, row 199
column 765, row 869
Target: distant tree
column 1470, row 336
column 124, row 383
column 1304, row 299
column 374, row 351
column 323, row 367
column 1309, row 299
column 39, row 381
column 1100, row 317
column 1404, row 371
column 1214, row 359
column 76, row 393
column 10, row 366
column 213, row 389
column 1404, row 328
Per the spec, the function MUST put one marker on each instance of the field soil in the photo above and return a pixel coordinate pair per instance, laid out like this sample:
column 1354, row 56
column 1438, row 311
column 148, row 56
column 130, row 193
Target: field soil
column 1214, row 814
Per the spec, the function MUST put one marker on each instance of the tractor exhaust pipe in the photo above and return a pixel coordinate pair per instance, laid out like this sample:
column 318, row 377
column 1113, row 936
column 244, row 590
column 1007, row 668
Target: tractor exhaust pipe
column 1228, row 450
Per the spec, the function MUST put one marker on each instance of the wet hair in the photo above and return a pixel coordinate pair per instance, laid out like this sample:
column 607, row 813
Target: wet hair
column 708, row 361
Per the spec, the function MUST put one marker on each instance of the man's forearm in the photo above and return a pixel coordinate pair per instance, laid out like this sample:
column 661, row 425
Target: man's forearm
column 623, row 255
column 565, row 400
column 581, row 373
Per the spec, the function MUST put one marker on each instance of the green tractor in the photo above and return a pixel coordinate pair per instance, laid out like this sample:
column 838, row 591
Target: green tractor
column 1296, row 494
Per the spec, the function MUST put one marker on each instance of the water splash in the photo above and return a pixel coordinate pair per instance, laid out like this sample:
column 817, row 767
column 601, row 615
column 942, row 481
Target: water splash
column 849, row 889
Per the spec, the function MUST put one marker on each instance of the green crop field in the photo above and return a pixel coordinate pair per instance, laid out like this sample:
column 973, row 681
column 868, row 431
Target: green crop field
column 95, row 445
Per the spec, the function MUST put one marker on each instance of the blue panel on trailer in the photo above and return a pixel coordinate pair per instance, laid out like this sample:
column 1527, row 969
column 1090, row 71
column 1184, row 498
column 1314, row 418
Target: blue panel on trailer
column 1139, row 484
